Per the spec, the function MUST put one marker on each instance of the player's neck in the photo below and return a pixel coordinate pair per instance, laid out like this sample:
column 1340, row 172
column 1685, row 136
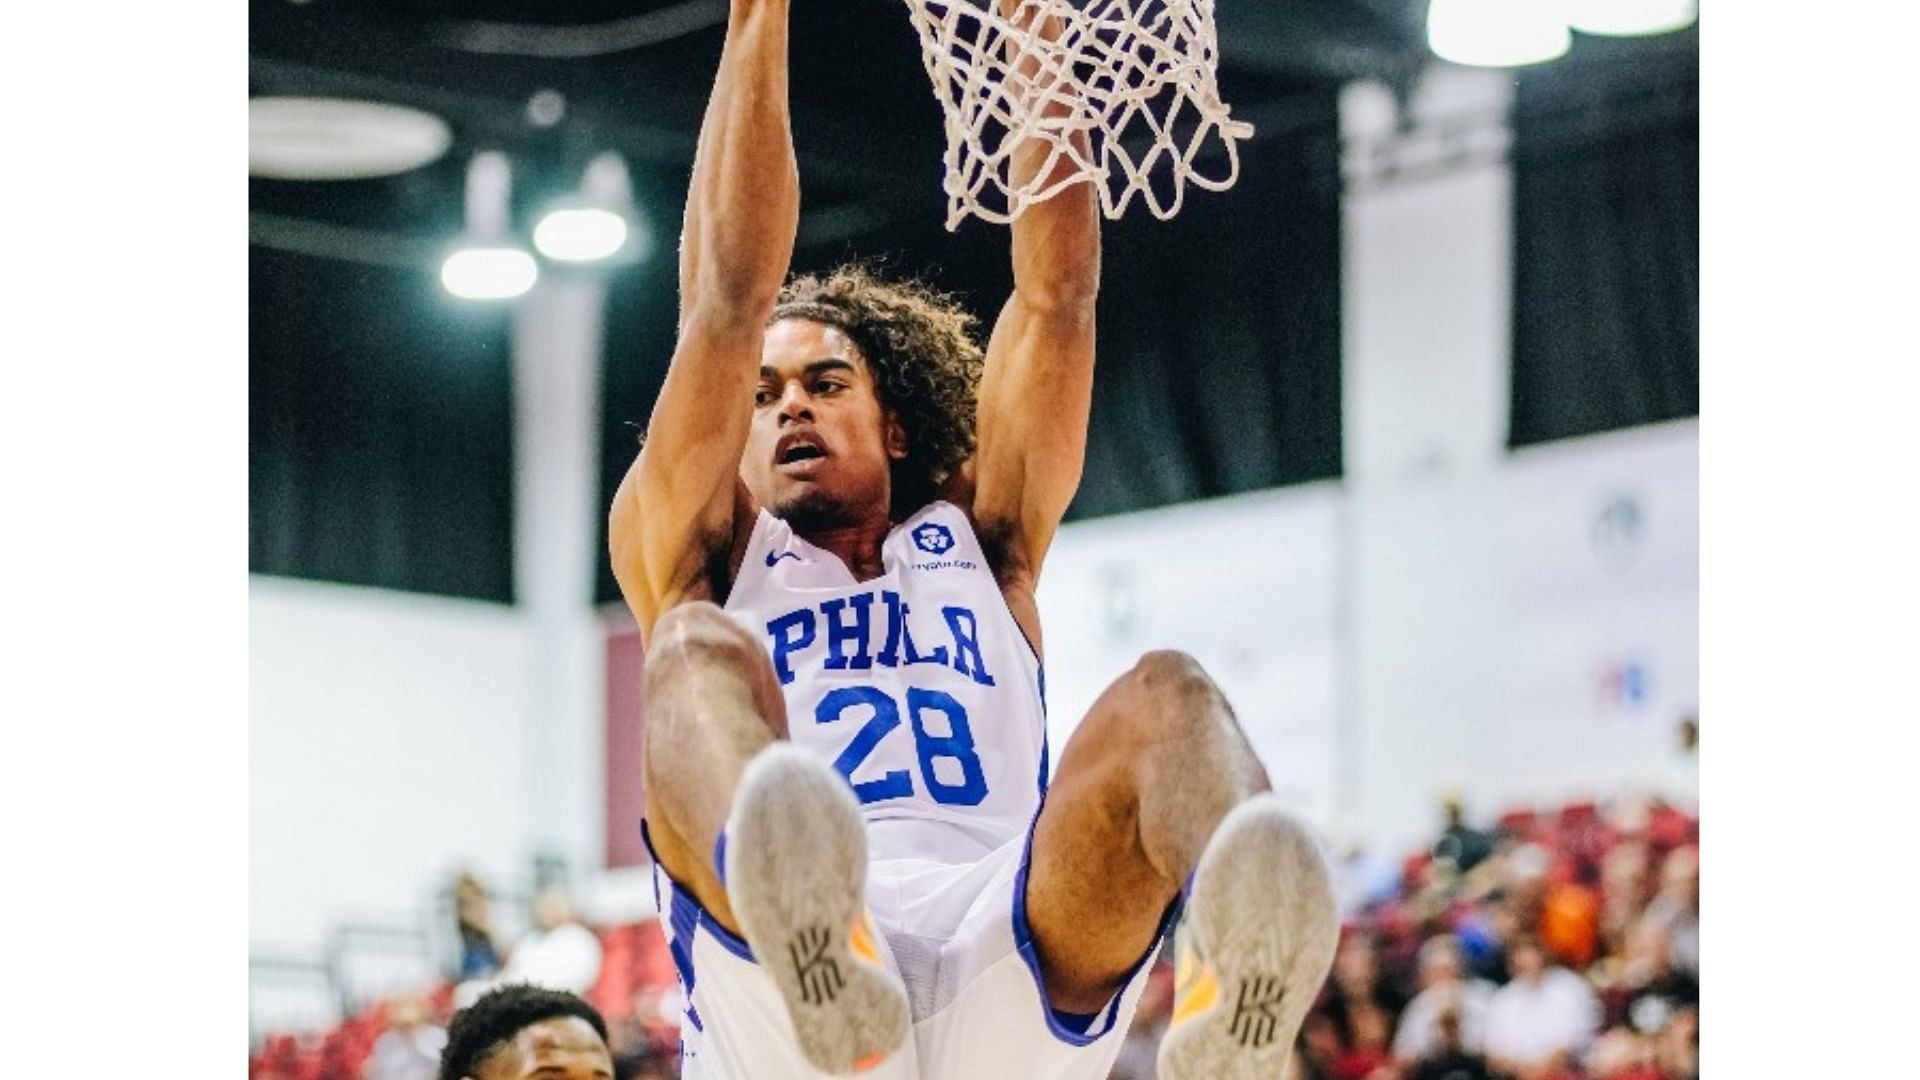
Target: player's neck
column 858, row 546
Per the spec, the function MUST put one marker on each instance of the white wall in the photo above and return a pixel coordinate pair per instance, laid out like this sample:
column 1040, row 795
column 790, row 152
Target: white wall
column 386, row 735
column 1494, row 612
column 1602, row 553
column 1248, row 585
column 1465, row 634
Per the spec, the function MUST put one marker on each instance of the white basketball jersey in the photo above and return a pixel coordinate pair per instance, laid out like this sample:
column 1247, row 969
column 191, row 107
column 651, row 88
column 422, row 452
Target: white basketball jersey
column 918, row 686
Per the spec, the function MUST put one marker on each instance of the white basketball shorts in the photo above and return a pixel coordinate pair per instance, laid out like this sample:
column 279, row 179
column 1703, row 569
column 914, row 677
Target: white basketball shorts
column 956, row 934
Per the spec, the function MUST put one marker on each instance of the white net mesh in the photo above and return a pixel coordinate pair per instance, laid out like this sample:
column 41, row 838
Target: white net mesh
column 1124, row 89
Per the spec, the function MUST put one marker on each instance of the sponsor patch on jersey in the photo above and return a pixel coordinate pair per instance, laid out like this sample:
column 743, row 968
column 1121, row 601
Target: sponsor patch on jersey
column 933, row 538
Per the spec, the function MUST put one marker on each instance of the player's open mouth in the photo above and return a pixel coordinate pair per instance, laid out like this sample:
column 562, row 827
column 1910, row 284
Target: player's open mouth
column 798, row 448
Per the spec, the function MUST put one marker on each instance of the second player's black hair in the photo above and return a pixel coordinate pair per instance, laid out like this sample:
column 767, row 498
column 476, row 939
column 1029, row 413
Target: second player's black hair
column 501, row 1013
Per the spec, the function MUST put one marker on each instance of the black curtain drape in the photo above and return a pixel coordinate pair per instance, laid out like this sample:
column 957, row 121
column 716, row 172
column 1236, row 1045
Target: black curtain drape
column 1220, row 336
column 1219, row 331
column 380, row 445
column 1606, row 330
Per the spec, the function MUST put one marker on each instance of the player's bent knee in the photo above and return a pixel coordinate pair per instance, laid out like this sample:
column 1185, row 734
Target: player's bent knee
column 1170, row 669
column 1173, row 687
column 699, row 633
column 1165, row 696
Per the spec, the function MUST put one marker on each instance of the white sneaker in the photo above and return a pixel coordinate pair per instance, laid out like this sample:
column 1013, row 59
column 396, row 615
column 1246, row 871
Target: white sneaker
column 1255, row 946
column 796, row 871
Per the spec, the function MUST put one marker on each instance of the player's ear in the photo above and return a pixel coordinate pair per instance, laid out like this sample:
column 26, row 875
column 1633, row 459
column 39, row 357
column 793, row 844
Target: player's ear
column 896, row 437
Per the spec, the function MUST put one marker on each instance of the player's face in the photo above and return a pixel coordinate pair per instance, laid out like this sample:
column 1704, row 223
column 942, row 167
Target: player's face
column 563, row 1048
column 821, row 446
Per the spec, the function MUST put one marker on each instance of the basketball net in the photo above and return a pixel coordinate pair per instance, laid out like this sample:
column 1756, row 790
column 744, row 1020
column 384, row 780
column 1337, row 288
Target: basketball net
column 1124, row 89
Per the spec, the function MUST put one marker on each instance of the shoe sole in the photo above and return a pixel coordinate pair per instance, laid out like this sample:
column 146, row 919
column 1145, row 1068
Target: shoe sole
column 1262, row 926
column 796, row 871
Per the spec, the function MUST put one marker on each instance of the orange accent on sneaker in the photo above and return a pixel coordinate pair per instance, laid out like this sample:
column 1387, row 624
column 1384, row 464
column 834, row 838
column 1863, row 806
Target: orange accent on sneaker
column 868, row 1062
column 1195, row 987
column 860, row 940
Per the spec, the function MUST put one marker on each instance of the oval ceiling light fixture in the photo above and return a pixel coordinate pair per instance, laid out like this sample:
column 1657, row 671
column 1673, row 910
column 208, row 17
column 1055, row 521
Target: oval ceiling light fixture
column 300, row 138
column 580, row 234
column 498, row 273
column 598, row 222
column 484, row 262
column 1497, row 33
column 1631, row 18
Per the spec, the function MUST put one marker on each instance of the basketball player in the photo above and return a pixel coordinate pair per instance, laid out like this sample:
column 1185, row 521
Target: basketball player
column 831, row 540
column 523, row 1032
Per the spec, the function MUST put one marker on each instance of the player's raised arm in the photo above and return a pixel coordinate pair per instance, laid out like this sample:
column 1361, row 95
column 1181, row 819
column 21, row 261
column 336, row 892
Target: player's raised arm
column 677, row 506
column 1037, row 389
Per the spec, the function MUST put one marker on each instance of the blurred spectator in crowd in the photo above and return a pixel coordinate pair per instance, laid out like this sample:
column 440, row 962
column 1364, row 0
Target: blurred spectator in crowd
column 1459, row 844
column 1641, row 989
column 479, row 958
column 1677, row 907
column 1136, row 1060
column 1540, row 1022
column 1524, row 881
column 1447, row 1059
column 1352, row 1024
column 1677, row 1047
column 558, row 953
column 517, row 1031
column 1569, row 917
column 1621, row 1055
column 1444, row 991
column 1623, row 892
column 648, row 1032
column 1483, row 934
column 410, row 1047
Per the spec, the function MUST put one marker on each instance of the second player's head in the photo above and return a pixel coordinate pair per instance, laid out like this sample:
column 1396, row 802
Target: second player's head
column 519, row 1031
column 865, row 401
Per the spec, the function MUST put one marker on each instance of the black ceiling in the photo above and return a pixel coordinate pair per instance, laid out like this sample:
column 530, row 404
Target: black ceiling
column 635, row 75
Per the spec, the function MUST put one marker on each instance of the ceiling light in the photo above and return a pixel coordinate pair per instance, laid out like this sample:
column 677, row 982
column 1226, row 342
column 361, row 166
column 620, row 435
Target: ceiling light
column 598, row 222
column 485, row 263
column 488, row 273
column 1631, row 18
column 1496, row 33
column 295, row 138
column 580, row 234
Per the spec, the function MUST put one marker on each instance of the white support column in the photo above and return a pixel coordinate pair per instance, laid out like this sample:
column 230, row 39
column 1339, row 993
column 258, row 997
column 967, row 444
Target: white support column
column 1427, row 309
column 1428, row 225
column 557, row 332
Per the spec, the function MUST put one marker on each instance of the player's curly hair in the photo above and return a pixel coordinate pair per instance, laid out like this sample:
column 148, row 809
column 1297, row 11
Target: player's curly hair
column 926, row 364
column 501, row 1013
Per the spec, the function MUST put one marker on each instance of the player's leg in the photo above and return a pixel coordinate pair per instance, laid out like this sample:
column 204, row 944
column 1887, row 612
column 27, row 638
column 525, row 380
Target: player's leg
column 791, row 875
column 1155, row 765
column 712, row 703
column 1158, row 782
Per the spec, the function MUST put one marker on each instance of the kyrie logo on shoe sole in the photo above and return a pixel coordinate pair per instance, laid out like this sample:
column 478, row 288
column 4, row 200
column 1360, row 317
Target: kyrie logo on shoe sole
column 819, row 975
column 1256, row 1014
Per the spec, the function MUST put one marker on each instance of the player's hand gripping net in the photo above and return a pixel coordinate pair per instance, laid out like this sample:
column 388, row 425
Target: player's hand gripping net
column 1132, row 79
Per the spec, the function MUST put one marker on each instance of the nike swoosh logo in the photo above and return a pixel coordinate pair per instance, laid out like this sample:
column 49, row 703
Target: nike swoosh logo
column 774, row 557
